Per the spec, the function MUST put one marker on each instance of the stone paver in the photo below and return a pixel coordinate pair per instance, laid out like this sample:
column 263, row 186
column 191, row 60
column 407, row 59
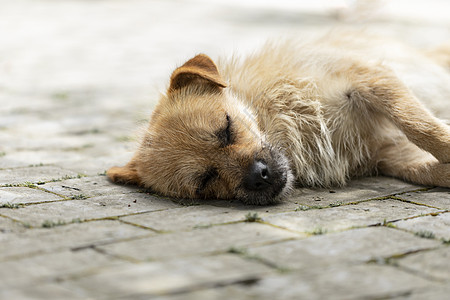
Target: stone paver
column 352, row 246
column 41, row 291
column 375, row 212
column 33, row 175
column 7, row 226
column 155, row 278
column 199, row 241
column 45, row 267
column 437, row 197
column 357, row 190
column 188, row 217
column 348, row 282
column 86, row 209
column 436, row 292
column 71, row 236
column 21, row 195
column 434, row 263
column 78, row 81
column 437, row 226
column 87, row 186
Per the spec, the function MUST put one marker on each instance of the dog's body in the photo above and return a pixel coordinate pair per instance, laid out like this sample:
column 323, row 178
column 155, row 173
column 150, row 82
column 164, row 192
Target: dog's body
column 318, row 113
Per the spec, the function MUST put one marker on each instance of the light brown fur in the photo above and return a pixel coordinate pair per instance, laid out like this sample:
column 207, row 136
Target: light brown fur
column 321, row 112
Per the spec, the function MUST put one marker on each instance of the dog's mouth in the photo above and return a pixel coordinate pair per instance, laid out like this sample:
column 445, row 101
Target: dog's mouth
column 267, row 181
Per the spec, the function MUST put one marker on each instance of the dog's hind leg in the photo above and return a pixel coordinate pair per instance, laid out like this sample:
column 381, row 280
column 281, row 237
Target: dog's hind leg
column 404, row 160
column 380, row 90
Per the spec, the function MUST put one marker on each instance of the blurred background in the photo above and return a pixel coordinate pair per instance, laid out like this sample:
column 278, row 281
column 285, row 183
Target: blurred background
column 78, row 76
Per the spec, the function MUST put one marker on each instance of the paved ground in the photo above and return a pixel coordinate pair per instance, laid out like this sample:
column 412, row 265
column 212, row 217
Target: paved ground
column 77, row 78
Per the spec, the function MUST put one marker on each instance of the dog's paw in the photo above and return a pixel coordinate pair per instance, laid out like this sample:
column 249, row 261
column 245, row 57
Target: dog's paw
column 441, row 175
column 126, row 175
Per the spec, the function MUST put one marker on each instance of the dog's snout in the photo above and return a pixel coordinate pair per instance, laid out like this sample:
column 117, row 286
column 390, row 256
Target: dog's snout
column 259, row 176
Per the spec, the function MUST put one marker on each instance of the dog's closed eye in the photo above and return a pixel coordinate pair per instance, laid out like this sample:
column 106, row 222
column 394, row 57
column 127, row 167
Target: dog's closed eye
column 205, row 179
column 225, row 135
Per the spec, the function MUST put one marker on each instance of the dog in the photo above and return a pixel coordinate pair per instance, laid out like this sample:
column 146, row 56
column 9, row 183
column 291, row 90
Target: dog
column 314, row 113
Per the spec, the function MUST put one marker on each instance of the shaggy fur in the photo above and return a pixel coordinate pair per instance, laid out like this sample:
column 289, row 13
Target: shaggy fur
column 319, row 112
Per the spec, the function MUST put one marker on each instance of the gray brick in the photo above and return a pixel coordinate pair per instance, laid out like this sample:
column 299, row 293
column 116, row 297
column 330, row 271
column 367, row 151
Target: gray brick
column 187, row 218
column 33, row 174
column 73, row 236
column 155, row 278
column 219, row 293
column 437, row 197
column 337, row 282
column 16, row 195
column 438, row 226
column 9, row 226
column 37, row 269
column 433, row 263
column 433, row 292
column 32, row 157
column 348, row 216
column 352, row 246
column 356, row 190
column 93, row 165
column 92, row 208
column 198, row 241
column 88, row 186
column 287, row 204
column 296, row 287
column 41, row 291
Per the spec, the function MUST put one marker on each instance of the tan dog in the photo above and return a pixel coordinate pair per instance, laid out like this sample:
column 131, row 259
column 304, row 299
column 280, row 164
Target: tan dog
column 317, row 113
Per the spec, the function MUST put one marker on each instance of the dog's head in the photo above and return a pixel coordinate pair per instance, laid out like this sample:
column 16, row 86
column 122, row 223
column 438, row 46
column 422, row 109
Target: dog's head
column 203, row 142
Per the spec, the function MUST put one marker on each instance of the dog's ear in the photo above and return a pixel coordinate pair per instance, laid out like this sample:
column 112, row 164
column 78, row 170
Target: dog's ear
column 126, row 174
column 200, row 69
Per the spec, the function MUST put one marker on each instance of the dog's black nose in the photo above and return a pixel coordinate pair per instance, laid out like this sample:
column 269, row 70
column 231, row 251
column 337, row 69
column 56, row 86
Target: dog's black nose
column 259, row 176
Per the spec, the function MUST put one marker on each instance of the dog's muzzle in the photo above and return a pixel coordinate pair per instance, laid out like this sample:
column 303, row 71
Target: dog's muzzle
column 266, row 179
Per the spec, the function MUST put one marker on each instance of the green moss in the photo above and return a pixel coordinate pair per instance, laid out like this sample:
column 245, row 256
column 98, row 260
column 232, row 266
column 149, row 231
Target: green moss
column 202, row 226
column 60, row 96
column 335, row 204
column 85, row 146
column 235, row 250
column 51, row 224
column 318, row 231
column 67, row 177
column 29, row 185
column 25, row 184
column 78, row 197
column 425, row 234
column 252, row 217
column 36, row 165
column 305, row 207
column 11, row 205
column 124, row 138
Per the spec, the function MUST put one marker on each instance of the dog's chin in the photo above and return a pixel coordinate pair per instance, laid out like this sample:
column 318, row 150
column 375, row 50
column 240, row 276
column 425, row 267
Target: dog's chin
column 275, row 193
column 267, row 197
